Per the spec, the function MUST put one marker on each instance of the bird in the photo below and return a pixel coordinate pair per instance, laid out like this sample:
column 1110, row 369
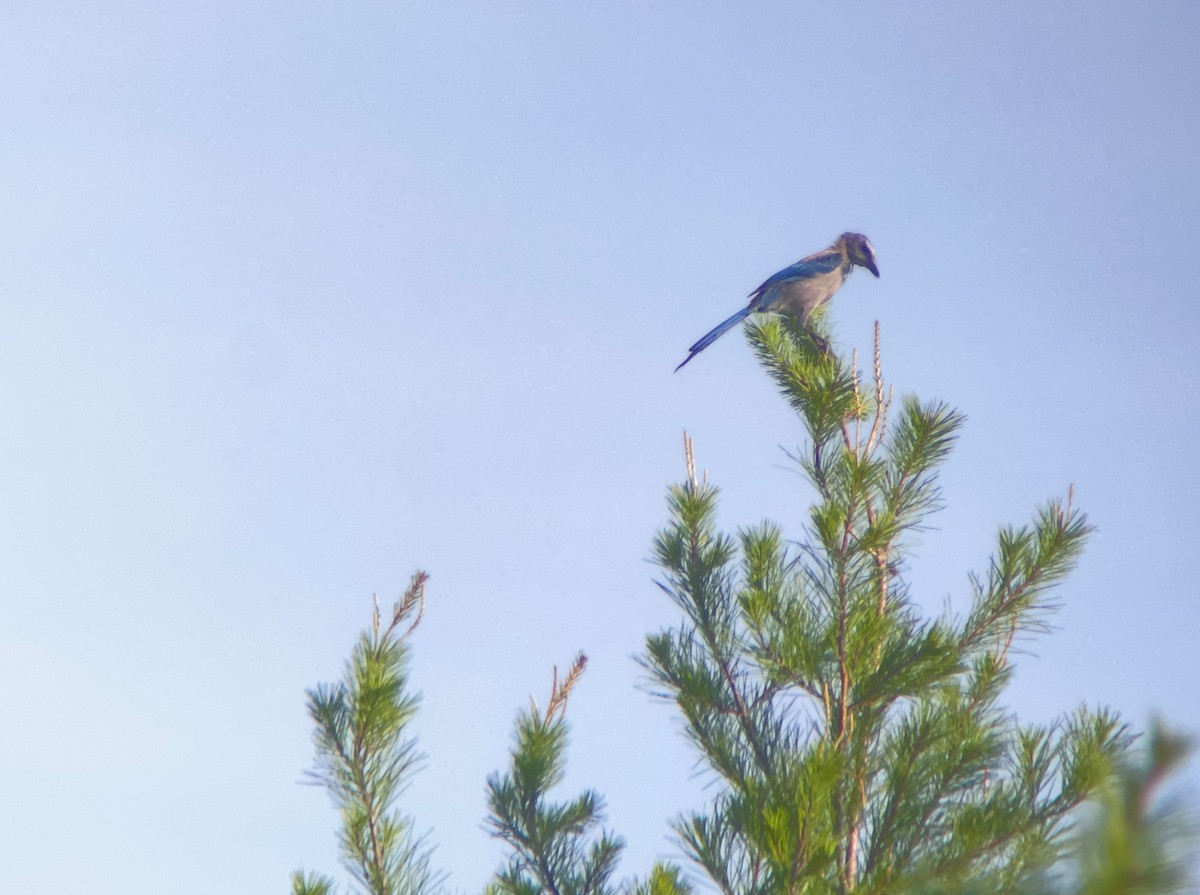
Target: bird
column 800, row 289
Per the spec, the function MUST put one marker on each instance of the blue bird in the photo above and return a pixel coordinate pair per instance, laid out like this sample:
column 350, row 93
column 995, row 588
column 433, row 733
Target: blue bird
column 802, row 288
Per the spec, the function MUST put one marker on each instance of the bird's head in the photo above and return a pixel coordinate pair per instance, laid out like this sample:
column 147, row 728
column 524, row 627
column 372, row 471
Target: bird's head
column 859, row 251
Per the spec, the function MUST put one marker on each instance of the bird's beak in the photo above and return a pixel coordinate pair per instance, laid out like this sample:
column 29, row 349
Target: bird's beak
column 870, row 265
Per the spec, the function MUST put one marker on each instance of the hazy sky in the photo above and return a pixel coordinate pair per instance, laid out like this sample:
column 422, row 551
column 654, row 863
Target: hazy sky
column 301, row 297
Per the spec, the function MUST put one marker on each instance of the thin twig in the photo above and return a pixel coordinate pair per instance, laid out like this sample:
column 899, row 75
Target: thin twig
column 880, row 423
column 414, row 597
column 853, row 448
column 560, row 692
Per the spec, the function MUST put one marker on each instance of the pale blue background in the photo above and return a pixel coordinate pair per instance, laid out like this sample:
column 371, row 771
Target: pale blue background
column 300, row 297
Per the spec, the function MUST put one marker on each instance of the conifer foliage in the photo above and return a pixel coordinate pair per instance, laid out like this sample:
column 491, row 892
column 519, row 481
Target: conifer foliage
column 550, row 849
column 558, row 848
column 860, row 746
column 365, row 756
column 855, row 746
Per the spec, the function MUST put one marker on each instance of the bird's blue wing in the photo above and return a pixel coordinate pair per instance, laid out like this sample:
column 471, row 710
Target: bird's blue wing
column 806, row 268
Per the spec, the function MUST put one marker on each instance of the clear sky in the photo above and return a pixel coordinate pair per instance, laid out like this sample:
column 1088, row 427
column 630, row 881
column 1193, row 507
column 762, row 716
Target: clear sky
column 300, row 297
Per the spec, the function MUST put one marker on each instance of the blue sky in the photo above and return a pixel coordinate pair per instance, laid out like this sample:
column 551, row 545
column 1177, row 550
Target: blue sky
column 301, row 297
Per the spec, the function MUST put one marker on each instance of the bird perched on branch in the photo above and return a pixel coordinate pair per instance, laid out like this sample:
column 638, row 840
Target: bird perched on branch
column 802, row 288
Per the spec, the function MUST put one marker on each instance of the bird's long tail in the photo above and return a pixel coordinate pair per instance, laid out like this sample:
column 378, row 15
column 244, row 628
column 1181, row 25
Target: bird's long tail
column 715, row 333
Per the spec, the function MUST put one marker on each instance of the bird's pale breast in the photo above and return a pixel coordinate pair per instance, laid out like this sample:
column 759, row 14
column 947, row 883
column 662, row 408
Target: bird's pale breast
column 800, row 298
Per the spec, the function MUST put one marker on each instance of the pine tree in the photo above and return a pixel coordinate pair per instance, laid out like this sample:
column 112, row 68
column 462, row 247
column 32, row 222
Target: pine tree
column 365, row 756
column 557, row 849
column 860, row 746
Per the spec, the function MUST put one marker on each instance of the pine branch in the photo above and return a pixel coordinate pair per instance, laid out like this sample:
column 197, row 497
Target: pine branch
column 1028, row 562
column 364, row 757
column 1141, row 840
column 555, row 847
column 860, row 746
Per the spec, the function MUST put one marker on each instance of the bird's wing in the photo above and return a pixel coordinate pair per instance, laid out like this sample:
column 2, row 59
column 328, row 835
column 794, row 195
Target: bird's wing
column 806, row 268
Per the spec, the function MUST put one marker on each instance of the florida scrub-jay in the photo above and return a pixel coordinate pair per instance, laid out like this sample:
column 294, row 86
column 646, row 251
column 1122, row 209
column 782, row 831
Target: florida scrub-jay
column 802, row 288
